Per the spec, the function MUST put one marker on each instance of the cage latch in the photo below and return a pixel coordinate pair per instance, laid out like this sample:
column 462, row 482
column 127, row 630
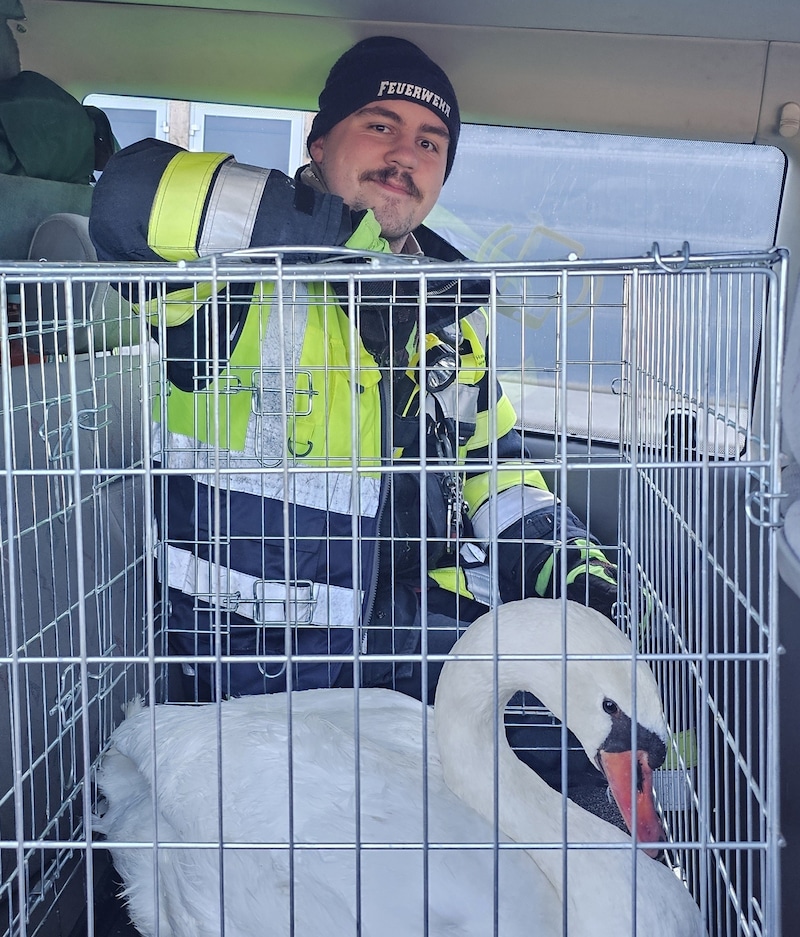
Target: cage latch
column 275, row 409
column 225, row 601
column 224, row 384
column 276, row 602
column 267, row 393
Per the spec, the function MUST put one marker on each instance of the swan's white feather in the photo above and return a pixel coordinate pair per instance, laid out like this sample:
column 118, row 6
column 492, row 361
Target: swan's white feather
column 255, row 808
column 253, row 804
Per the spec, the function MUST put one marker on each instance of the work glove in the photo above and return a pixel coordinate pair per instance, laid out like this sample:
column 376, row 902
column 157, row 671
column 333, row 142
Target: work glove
column 530, row 566
column 593, row 582
column 596, row 593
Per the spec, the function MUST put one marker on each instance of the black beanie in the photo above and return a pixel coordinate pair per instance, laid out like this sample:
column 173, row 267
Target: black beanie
column 382, row 68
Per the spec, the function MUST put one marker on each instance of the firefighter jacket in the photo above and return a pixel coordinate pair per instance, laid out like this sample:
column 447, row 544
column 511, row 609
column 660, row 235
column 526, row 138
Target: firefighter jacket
column 286, row 402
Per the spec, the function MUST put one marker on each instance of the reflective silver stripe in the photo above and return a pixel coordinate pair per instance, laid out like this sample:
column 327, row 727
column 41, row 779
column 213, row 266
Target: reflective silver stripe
column 512, row 505
column 472, row 553
column 263, row 601
column 480, row 324
column 479, row 583
column 459, row 402
column 341, row 492
column 232, row 207
column 270, row 424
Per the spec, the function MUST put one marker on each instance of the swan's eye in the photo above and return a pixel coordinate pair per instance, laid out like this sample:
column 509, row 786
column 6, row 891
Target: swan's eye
column 610, row 707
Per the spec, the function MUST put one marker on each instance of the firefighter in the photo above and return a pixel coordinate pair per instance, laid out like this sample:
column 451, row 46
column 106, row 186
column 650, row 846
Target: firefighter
column 344, row 570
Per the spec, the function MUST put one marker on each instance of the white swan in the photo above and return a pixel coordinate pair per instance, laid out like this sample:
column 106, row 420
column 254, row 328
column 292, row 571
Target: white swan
column 322, row 887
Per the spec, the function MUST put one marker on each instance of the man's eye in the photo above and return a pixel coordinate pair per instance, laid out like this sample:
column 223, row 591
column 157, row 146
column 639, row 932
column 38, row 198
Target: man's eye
column 429, row 145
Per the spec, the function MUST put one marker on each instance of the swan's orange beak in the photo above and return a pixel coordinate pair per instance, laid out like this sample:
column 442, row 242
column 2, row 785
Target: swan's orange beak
column 618, row 767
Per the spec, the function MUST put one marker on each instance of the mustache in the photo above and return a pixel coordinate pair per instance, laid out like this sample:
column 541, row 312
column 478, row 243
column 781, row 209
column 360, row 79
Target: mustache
column 395, row 177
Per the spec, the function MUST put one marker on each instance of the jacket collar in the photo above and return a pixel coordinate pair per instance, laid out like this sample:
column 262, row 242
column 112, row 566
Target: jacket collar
column 461, row 296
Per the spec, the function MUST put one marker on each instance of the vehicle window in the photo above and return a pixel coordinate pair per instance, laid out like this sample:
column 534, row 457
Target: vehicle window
column 542, row 194
column 133, row 119
column 260, row 136
column 521, row 194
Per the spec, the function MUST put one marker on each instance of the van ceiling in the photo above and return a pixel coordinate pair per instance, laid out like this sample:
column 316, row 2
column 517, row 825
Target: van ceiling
column 725, row 19
column 716, row 69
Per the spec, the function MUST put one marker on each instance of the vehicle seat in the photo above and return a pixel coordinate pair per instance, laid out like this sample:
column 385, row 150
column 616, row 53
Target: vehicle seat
column 27, row 202
column 102, row 319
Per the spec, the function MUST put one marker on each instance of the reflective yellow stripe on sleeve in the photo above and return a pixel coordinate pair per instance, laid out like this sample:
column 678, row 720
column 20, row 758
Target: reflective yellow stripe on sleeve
column 477, row 488
column 179, row 202
column 452, row 579
column 504, row 421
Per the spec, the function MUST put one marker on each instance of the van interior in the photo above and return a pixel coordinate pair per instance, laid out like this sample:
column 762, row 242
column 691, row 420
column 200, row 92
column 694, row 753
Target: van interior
column 592, row 131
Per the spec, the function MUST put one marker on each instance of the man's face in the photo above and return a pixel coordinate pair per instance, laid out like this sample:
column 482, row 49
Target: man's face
column 389, row 156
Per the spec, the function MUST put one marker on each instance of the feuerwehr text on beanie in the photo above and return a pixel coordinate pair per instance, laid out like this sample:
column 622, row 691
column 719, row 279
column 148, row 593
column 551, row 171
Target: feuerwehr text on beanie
column 385, row 68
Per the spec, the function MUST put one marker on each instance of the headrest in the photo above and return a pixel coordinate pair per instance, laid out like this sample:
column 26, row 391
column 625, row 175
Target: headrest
column 63, row 237
column 103, row 320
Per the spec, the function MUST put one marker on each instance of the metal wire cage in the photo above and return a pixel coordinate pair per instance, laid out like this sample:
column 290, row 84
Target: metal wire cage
column 647, row 391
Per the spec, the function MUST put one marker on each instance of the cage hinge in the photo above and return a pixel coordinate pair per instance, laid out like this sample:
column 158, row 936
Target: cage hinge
column 59, row 445
column 59, row 441
column 759, row 506
column 71, row 689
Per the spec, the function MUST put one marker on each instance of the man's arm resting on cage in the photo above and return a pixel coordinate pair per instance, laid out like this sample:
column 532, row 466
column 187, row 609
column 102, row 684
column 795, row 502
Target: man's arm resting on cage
column 156, row 201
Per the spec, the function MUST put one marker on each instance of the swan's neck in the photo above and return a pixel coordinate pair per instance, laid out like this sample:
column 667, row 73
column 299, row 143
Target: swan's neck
column 469, row 730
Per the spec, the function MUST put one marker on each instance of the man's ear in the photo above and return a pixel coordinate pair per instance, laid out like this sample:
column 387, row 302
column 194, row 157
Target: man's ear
column 316, row 149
